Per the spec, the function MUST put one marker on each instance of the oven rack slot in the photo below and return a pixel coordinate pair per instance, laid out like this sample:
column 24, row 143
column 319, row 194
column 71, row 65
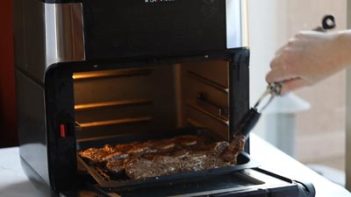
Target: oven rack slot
column 208, row 113
column 118, row 103
column 195, row 123
column 208, row 81
column 113, row 73
column 115, row 122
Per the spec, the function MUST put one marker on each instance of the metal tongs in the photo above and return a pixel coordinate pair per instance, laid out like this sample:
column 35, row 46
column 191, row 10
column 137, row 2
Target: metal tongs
column 272, row 90
column 250, row 119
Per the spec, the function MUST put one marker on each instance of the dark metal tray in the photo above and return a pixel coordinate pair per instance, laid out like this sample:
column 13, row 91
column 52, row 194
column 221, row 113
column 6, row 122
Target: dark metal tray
column 107, row 180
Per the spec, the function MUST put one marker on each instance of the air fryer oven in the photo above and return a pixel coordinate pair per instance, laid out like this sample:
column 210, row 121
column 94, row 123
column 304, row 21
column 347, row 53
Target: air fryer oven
column 91, row 73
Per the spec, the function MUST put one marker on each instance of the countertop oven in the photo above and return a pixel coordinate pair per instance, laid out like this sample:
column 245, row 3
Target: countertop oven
column 97, row 72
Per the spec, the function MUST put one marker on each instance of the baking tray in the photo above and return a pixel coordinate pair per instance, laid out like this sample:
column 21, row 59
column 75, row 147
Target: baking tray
column 108, row 180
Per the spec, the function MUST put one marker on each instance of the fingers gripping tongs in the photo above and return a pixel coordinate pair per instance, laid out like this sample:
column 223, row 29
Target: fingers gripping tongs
column 250, row 119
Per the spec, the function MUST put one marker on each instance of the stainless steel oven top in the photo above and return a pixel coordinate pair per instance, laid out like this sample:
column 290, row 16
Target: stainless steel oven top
column 51, row 32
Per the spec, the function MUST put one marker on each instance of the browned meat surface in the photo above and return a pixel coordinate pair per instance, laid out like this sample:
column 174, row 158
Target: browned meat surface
column 115, row 166
column 235, row 148
column 154, row 158
column 206, row 157
column 114, row 156
column 123, row 151
column 97, row 155
column 138, row 168
column 160, row 165
column 189, row 140
column 165, row 145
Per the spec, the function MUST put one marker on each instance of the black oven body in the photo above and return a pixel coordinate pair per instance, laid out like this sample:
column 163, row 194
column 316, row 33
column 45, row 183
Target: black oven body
column 175, row 39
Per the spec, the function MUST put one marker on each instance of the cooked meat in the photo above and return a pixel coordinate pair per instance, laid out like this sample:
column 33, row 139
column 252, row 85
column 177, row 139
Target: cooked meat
column 123, row 151
column 115, row 156
column 125, row 147
column 201, row 161
column 119, row 151
column 181, row 161
column 219, row 147
column 139, row 168
column 141, row 150
column 165, row 145
column 234, row 149
column 160, row 165
column 96, row 155
column 154, row 158
column 188, row 140
column 115, row 166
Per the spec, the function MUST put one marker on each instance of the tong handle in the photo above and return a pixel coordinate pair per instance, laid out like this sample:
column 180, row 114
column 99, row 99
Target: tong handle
column 248, row 121
column 328, row 22
column 275, row 88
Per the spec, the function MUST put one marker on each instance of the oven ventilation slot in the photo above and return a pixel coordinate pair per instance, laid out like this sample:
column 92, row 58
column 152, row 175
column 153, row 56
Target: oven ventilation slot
column 208, row 113
column 206, row 96
column 208, row 82
column 195, row 123
column 212, row 106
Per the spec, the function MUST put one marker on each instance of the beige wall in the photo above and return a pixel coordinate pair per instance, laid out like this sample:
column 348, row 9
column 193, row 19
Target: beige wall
column 266, row 35
column 321, row 130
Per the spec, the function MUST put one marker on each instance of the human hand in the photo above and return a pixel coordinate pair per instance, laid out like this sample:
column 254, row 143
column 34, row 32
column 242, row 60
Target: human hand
column 308, row 58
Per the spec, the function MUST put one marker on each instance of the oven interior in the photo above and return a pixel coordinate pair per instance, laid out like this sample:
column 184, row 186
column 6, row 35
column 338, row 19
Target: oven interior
column 136, row 103
column 128, row 104
column 149, row 99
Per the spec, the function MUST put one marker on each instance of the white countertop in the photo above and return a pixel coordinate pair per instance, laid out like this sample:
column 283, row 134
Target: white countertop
column 14, row 183
column 277, row 161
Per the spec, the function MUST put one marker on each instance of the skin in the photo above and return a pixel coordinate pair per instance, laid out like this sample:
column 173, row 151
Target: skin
column 310, row 57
